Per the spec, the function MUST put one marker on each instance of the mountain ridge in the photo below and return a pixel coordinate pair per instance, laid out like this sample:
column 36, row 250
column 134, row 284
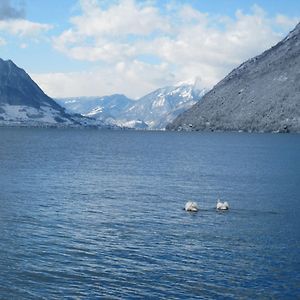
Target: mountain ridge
column 152, row 111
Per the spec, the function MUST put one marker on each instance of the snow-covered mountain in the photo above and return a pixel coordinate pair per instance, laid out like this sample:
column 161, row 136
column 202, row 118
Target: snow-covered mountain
column 109, row 106
column 23, row 103
column 152, row 111
column 101, row 109
column 160, row 107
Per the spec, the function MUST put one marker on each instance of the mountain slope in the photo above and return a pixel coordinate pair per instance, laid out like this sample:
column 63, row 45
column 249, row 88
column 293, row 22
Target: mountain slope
column 261, row 95
column 22, row 102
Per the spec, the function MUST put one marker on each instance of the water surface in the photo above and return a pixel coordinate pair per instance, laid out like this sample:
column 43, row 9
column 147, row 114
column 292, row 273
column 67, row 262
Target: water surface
column 98, row 214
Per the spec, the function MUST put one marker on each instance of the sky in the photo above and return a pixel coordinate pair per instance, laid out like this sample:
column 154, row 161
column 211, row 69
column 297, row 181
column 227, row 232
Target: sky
column 77, row 48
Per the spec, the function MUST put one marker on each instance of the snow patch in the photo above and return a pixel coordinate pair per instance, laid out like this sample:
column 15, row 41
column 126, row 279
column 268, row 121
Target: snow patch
column 159, row 102
column 26, row 114
column 95, row 111
column 281, row 78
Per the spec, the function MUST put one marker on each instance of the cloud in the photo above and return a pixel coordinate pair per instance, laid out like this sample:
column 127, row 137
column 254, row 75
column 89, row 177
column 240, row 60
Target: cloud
column 7, row 11
column 23, row 28
column 23, row 46
column 2, row 42
column 104, row 34
column 132, row 79
column 159, row 46
column 285, row 21
column 13, row 22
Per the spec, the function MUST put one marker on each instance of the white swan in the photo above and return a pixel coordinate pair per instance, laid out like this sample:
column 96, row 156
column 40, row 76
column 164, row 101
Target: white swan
column 191, row 206
column 222, row 205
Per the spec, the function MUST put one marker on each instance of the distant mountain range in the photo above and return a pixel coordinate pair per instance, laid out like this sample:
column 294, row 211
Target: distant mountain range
column 153, row 111
column 261, row 95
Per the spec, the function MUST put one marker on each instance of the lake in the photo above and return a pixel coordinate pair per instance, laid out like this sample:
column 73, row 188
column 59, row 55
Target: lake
column 91, row 214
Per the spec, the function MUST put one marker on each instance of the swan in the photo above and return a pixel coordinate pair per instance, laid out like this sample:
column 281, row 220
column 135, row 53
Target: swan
column 191, row 206
column 222, row 205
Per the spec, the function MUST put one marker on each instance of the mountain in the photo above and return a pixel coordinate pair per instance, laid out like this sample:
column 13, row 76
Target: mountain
column 105, row 110
column 153, row 111
column 108, row 105
column 160, row 107
column 23, row 103
column 261, row 95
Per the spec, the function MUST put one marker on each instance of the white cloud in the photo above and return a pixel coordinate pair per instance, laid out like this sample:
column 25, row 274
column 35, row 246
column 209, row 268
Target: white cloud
column 185, row 43
column 23, row 46
column 109, row 34
column 23, row 28
column 285, row 21
column 2, row 42
column 123, row 18
column 132, row 79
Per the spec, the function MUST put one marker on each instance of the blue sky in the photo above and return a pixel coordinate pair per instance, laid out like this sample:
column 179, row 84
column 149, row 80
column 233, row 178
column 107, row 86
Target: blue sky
column 97, row 47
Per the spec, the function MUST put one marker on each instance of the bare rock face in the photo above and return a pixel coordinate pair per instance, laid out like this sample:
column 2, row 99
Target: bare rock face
column 261, row 95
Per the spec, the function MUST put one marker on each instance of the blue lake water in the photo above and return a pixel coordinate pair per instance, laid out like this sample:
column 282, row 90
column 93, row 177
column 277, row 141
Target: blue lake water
column 89, row 214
